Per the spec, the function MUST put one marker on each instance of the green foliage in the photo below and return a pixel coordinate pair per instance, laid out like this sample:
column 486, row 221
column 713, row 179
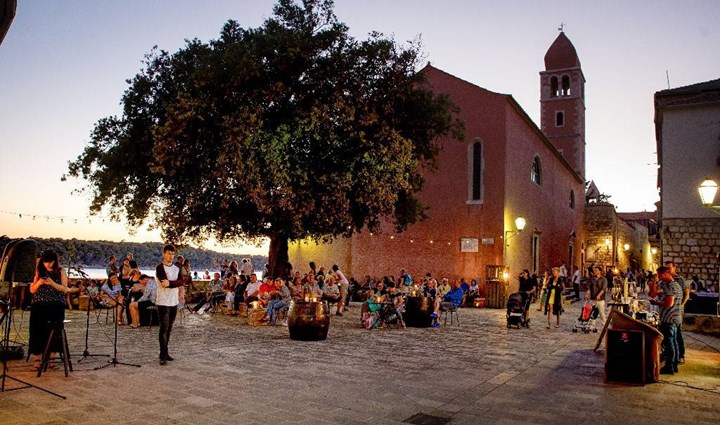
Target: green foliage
column 95, row 254
column 291, row 130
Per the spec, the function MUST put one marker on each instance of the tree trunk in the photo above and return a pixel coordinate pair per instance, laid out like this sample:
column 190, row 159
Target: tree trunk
column 278, row 255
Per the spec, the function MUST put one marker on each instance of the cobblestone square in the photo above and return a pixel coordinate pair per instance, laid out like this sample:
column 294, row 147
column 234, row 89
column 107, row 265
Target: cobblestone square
column 226, row 371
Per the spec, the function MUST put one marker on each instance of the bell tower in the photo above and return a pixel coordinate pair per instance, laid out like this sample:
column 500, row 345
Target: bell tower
column 562, row 102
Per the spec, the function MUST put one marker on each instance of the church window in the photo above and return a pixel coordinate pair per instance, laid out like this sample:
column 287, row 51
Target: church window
column 476, row 171
column 536, row 172
column 554, row 87
column 565, row 85
column 572, row 199
column 559, row 119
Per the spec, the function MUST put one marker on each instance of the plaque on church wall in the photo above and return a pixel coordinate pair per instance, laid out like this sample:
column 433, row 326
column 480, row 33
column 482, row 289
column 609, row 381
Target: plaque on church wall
column 469, row 245
column 488, row 241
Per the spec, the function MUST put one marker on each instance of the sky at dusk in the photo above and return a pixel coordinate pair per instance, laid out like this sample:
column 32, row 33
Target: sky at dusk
column 63, row 66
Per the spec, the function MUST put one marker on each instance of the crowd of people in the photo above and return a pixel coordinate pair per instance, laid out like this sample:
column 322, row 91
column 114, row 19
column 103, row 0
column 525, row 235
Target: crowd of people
column 236, row 289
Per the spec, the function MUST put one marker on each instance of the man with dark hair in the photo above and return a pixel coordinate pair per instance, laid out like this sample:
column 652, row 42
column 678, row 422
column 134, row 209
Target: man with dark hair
column 669, row 300
column 685, row 287
column 112, row 267
column 169, row 280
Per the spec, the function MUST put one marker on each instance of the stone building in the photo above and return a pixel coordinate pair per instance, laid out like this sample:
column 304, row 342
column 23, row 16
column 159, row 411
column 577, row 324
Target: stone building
column 687, row 128
column 617, row 243
column 505, row 168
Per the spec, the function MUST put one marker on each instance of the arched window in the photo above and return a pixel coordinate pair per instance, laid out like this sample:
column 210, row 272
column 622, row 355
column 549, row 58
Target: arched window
column 553, row 87
column 559, row 119
column 536, row 172
column 572, row 199
column 565, row 85
column 475, row 171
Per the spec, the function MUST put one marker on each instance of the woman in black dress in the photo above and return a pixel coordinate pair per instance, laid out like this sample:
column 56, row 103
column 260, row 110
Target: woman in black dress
column 48, row 302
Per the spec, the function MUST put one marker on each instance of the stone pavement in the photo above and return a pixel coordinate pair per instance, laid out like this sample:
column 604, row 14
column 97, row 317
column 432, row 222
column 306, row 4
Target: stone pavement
column 228, row 372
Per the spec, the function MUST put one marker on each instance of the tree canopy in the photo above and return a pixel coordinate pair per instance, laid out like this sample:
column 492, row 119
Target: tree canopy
column 291, row 130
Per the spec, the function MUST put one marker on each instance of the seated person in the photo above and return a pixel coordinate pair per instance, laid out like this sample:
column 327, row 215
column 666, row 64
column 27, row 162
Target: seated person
column 444, row 287
column 253, row 290
column 267, row 291
column 311, row 290
column 449, row 301
column 279, row 302
column 430, row 288
column 93, row 292
column 213, row 295
column 112, row 296
column 696, row 285
column 472, row 293
column 397, row 297
column 239, row 291
column 148, row 289
column 229, row 286
column 296, row 289
column 331, row 294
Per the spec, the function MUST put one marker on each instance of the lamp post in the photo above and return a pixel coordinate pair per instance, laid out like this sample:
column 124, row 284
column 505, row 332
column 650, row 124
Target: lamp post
column 707, row 191
column 519, row 226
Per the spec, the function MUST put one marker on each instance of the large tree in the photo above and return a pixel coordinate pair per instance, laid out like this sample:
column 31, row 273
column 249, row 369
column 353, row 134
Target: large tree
column 291, row 130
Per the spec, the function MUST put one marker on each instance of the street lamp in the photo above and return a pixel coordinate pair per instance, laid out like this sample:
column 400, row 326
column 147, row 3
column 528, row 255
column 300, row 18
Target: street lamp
column 519, row 225
column 707, row 190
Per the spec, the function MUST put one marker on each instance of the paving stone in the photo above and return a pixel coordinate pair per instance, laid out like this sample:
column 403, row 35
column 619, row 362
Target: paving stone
column 481, row 372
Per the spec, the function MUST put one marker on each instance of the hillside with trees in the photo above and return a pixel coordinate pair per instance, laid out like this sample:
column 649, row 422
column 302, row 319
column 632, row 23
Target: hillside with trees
column 95, row 254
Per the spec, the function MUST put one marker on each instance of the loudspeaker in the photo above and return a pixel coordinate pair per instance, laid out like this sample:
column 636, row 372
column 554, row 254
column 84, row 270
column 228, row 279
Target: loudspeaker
column 625, row 356
column 18, row 264
column 19, row 261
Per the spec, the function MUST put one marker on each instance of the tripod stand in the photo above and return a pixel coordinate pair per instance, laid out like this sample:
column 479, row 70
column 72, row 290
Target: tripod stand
column 7, row 318
column 114, row 361
column 86, row 354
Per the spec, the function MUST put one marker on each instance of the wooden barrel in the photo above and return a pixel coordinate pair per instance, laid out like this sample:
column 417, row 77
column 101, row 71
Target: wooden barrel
column 255, row 316
column 308, row 320
column 417, row 311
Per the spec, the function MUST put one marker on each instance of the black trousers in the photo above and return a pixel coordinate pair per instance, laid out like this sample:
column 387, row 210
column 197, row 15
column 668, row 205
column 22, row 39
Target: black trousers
column 167, row 318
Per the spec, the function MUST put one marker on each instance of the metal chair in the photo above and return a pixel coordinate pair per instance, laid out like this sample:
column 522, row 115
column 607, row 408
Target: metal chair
column 453, row 313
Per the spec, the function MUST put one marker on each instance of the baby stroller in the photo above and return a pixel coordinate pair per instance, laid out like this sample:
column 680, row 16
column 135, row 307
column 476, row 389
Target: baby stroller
column 516, row 308
column 586, row 321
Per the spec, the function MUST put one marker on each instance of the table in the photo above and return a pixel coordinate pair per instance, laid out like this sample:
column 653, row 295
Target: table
column 417, row 311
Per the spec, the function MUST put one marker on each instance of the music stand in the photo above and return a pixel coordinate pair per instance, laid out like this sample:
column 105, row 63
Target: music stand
column 114, row 361
column 86, row 354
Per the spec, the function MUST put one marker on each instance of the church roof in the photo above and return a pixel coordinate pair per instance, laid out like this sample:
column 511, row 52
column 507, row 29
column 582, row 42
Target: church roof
column 561, row 54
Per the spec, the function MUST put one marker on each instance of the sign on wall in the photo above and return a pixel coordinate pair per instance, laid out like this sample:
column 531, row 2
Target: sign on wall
column 469, row 245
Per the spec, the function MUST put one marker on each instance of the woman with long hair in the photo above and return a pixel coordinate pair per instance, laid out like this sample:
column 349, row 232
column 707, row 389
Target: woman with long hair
column 553, row 306
column 48, row 303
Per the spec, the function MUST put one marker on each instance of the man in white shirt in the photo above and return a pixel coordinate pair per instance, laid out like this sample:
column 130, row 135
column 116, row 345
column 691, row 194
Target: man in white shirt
column 576, row 278
column 169, row 280
column 344, row 288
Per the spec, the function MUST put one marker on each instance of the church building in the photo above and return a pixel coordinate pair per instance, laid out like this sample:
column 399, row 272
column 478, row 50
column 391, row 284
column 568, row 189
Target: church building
column 506, row 168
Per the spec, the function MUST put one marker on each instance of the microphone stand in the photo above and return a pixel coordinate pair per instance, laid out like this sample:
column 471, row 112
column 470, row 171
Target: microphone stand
column 7, row 316
column 114, row 361
column 86, row 354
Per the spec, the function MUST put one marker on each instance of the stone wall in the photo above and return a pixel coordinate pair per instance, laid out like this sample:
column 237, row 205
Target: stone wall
column 607, row 235
column 693, row 243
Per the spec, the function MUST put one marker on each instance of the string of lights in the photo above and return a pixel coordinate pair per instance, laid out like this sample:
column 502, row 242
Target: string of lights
column 62, row 219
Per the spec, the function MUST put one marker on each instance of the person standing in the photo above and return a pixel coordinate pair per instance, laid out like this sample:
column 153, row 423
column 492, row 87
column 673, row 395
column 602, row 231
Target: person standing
column 685, row 286
column 598, row 288
column 669, row 300
column 169, row 280
column 554, row 300
column 344, row 285
column 48, row 303
column 576, row 277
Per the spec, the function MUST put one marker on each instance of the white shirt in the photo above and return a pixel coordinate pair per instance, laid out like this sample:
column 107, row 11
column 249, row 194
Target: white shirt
column 253, row 287
column 341, row 278
column 576, row 276
column 168, row 296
